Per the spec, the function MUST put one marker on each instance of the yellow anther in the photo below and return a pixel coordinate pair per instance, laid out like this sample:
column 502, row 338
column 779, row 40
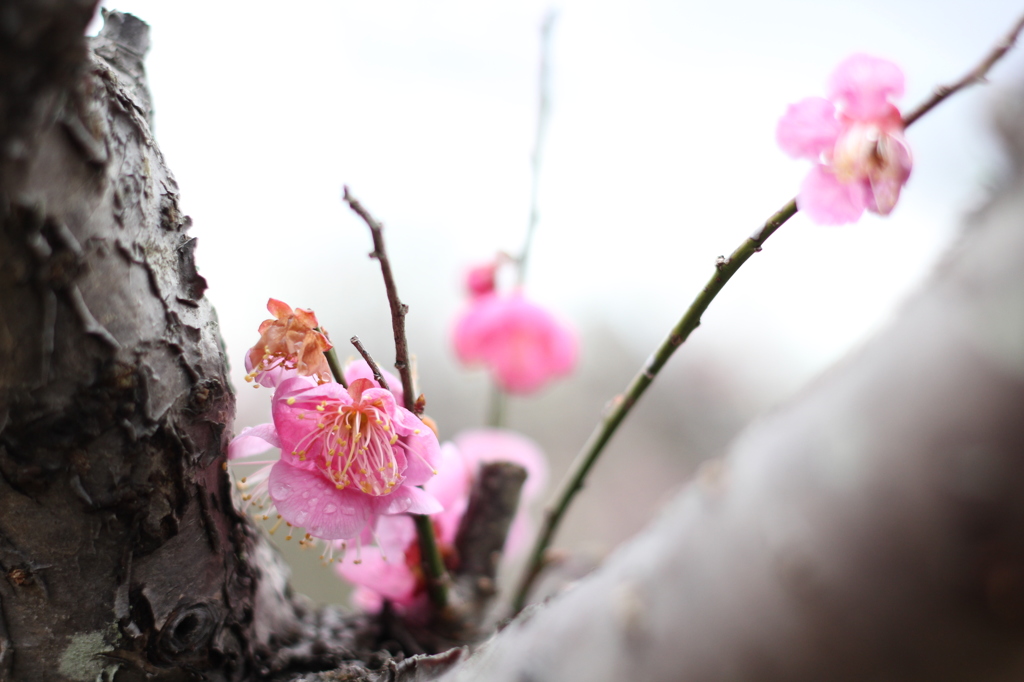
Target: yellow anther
column 290, row 401
column 394, row 438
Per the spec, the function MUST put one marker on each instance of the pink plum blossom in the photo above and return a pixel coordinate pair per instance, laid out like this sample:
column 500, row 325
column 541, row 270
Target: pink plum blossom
column 348, row 456
column 391, row 570
column 856, row 139
column 522, row 344
column 291, row 344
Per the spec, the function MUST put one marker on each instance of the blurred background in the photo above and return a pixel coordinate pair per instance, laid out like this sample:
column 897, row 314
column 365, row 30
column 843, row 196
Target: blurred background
column 660, row 156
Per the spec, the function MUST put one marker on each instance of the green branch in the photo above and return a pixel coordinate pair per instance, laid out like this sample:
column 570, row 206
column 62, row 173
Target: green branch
column 725, row 268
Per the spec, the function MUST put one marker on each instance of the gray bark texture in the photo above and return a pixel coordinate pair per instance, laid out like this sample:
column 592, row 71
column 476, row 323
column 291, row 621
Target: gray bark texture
column 873, row 529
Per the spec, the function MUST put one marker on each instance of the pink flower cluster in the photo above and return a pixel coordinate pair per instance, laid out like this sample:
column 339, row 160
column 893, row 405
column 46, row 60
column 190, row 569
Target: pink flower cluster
column 521, row 343
column 391, row 569
column 348, row 455
column 855, row 137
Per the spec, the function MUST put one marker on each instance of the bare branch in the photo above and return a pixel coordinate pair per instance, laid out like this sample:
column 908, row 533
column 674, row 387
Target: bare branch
column 369, row 360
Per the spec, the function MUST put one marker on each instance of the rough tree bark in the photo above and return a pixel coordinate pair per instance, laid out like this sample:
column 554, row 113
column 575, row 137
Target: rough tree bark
column 873, row 529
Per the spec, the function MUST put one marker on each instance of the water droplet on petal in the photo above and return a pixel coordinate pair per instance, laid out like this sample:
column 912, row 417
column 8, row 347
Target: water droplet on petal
column 330, row 509
column 313, row 502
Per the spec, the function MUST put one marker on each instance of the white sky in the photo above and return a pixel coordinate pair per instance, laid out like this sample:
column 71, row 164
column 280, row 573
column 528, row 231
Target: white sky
column 660, row 157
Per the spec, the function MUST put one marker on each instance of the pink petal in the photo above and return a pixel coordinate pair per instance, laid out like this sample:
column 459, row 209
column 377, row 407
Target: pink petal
column 471, row 329
column 453, row 477
column 374, row 394
column 864, row 86
column 501, row 445
column 827, row 201
column 451, row 487
column 360, row 369
column 808, row 129
column 394, row 534
column 390, row 579
column 405, row 499
column 423, row 453
column 253, row 441
column 308, row 500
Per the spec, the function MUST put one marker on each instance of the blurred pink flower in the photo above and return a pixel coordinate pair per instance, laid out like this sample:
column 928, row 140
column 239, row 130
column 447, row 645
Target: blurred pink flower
column 290, row 345
column 522, row 344
column 347, row 458
column 855, row 139
column 481, row 279
column 391, row 570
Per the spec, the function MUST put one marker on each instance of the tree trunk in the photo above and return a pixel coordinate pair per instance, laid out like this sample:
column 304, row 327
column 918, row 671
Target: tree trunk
column 119, row 544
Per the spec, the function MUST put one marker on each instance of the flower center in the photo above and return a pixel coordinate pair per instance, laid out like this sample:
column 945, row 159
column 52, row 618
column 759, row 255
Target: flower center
column 353, row 445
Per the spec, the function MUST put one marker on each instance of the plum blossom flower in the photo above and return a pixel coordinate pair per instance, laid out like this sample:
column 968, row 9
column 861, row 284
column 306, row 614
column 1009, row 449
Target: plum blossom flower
column 522, row 344
column 856, row 139
column 391, row 570
column 290, row 345
column 348, row 456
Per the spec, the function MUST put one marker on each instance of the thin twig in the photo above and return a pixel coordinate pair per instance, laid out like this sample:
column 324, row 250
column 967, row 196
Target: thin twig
column 398, row 309
column 498, row 397
column 431, row 560
column 725, row 268
column 369, row 360
column 540, row 134
column 976, row 75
